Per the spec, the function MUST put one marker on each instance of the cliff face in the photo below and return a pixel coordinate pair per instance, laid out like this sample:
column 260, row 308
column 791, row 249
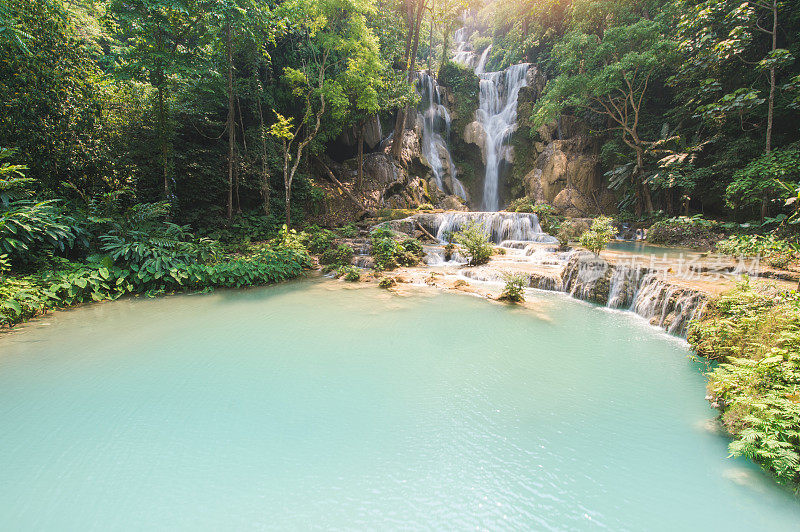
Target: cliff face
column 559, row 164
column 567, row 174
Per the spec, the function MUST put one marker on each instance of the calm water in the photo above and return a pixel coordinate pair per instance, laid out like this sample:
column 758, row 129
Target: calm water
column 306, row 406
column 646, row 250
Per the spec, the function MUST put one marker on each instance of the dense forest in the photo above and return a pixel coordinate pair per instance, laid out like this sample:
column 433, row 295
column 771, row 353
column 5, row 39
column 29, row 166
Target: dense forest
column 218, row 108
column 151, row 146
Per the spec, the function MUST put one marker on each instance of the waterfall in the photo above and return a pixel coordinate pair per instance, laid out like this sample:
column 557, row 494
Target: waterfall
column 435, row 132
column 500, row 226
column 623, row 286
column 667, row 305
column 499, row 92
column 479, row 69
column 464, row 54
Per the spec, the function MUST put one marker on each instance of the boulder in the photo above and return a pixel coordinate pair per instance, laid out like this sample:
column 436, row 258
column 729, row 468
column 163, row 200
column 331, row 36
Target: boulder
column 566, row 175
column 571, row 202
column 454, row 203
column 475, row 134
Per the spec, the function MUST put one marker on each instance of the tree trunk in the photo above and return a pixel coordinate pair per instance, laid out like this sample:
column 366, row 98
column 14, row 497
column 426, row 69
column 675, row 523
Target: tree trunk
column 231, row 124
column 771, row 102
column 409, row 61
column 264, row 167
column 287, row 187
column 430, row 44
column 644, row 200
column 162, row 133
column 360, row 180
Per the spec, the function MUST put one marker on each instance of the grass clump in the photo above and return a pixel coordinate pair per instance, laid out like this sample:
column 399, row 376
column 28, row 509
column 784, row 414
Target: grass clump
column 340, row 255
column 754, row 334
column 348, row 273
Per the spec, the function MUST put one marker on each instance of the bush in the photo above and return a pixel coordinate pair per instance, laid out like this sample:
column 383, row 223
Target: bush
column 776, row 252
column 425, row 207
column 341, row 255
column 524, row 204
column 389, row 253
column 568, row 231
column 317, row 240
column 387, row 282
column 600, row 234
column 755, row 335
column 758, row 181
column 348, row 273
column 694, row 232
column 349, row 231
column 548, row 217
column 514, row 290
column 475, row 239
column 449, row 249
column 413, row 246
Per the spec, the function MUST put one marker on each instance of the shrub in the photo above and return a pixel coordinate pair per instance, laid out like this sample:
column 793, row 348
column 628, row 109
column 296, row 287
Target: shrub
column 389, row 253
column 695, row 232
column 758, row 181
column 548, row 217
column 72, row 283
column 600, row 234
column 755, row 335
column 317, row 240
column 349, row 231
column 568, row 231
column 341, row 255
column 776, row 252
column 449, row 249
column 549, row 220
column 387, row 282
column 348, row 273
column 524, row 204
column 425, row 207
column 475, row 239
column 514, row 290
column 412, row 245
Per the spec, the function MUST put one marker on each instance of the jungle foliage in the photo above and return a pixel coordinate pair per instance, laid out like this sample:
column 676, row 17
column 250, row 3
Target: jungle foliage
column 754, row 335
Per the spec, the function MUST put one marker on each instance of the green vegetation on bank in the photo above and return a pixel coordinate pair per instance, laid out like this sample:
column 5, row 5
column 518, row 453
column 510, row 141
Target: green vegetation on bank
column 754, row 337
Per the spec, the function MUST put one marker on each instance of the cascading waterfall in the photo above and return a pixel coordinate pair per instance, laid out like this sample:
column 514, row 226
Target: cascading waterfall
column 501, row 226
column 499, row 92
column 667, row 305
column 497, row 113
column 464, row 54
column 481, row 67
column 435, row 132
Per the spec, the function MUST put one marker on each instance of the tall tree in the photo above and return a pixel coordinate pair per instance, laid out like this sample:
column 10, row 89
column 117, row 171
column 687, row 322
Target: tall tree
column 610, row 77
column 414, row 21
column 156, row 35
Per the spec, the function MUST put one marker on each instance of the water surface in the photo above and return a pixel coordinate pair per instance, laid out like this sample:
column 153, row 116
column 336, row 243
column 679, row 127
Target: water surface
column 309, row 405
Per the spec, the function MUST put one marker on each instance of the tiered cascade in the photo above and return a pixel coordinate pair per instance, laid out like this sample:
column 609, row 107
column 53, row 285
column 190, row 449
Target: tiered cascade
column 497, row 112
column 435, row 134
